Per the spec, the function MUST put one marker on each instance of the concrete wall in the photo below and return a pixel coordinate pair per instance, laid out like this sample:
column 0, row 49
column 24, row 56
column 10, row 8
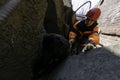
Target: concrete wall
column 21, row 33
column 110, row 22
column 20, row 37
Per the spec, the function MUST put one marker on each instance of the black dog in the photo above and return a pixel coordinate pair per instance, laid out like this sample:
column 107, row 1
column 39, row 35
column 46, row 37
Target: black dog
column 55, row 48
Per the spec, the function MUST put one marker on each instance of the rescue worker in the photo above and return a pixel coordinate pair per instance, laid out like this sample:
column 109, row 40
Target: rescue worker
column 85, row 32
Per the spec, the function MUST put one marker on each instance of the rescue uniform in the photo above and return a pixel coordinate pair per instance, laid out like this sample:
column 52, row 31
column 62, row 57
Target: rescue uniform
column 84, row 32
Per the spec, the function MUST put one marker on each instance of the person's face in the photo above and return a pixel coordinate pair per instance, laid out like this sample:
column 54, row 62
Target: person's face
column 89, row 22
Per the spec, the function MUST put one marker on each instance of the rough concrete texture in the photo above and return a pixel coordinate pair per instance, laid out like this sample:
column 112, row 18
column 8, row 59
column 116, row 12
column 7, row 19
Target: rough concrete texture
column 110, row 22
column 98, row 64
column 110, row 13
column 107, row 40
column 20, row 36
column 21, row 30
column 54, row 18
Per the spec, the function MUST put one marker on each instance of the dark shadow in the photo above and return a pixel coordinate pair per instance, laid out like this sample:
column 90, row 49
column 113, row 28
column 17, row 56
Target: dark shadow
column 50, row 21
column 70, row 18
column 55, row 48
column 68, row 15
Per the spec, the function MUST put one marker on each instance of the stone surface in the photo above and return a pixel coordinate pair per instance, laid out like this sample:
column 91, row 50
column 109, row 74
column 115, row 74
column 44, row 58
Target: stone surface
column 110, row 16
column 20, row 35
column 109, row 22
column 55, row 17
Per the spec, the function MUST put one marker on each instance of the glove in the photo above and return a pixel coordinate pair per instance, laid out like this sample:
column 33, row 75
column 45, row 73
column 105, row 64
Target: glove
column 88, row 47
column 71, row 41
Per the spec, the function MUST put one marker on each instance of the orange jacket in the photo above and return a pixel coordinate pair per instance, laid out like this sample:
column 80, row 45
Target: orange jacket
column 91, row 33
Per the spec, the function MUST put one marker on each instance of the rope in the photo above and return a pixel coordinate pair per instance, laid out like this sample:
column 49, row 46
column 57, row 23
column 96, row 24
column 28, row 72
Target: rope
column 82, row 5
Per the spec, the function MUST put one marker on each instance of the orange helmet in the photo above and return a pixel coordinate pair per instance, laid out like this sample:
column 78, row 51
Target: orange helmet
column 94, row 13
